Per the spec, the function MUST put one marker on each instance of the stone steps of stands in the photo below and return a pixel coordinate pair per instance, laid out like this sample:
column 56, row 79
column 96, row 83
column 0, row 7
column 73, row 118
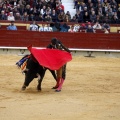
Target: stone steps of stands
column 69, row 6
column 67, row 1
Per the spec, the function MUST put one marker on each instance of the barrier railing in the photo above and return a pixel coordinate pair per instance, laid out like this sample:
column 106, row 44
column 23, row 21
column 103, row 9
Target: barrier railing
column 71, row 40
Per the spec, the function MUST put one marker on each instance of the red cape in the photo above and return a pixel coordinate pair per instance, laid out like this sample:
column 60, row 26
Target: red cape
column 51, row 58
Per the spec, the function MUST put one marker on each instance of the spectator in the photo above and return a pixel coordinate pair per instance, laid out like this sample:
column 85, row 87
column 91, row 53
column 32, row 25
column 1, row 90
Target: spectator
column 43, row 10
column 28, row 9
column 118, row 13
column 31, row 17
column 54, row 27
column 61, row 16
column 44, row 3
column 110, row 12
column 98, row 19
column 81, row 5
column 69, row 15
column 105, row 25
column 35, row 11
column 105, row 5
column 80, row 17
column 33, row 26
column 72, row 30
column 57, row 25
column 15, row 11
column 20, row 9
column 3, row 16
column 43, row 28
column 90, row 29
column 49, row 28
column 17, row 16
column 59, row 7
column 54, row 16
column 115, row 20
column 39, row 5
column 77, row 27
column 48, row 18
column 97, row 26
column 39, row 17
column 106, row 19
column 66, row 18
column 85, row 9
column 114, row 9
column 83, row 28
column 73, row 19
column 113, row 3
column 75, row 3
column 12, row 26
column 77, row 15
column 25, row 17
column 64, row 27
column 11, row 17
column 52, row 4
column 47, row 12
column 86, row 17
column 101, row 17
column 93, row 17
column 106, row 31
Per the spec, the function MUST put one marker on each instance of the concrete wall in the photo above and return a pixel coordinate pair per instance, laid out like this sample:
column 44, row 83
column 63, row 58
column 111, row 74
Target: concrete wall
column 84, row 53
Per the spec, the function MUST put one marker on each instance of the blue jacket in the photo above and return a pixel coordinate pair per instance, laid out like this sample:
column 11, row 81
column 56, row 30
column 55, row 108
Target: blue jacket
column 11, row 27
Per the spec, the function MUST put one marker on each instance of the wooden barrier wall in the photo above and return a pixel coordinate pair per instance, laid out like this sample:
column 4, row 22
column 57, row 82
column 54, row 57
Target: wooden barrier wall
column 24, row 38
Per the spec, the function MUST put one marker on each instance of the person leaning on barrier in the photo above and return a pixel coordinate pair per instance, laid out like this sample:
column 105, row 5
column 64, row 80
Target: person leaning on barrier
column 97, row 26
column 89, row 29
column 61, row 72
column 48, row 28
column 33, row 26
column 43, row 28
column 12, row 26
column 105, row 25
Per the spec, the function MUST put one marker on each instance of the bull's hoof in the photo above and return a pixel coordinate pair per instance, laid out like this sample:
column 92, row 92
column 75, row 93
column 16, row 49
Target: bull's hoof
column 23, row 87
column 38, row 88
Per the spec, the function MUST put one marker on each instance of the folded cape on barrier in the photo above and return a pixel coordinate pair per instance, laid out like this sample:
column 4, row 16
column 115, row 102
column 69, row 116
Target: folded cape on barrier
column 51, row 58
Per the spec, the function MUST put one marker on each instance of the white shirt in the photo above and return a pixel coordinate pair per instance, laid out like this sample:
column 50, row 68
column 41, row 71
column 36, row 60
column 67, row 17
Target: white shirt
column 33, row 27
column 43, row 29
column 76, row 28
column 11, row 18
column 49, row 29
column 70, row 30
column 97, row 26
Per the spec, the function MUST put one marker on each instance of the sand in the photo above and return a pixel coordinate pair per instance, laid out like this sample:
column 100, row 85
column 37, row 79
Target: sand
column 91, row 91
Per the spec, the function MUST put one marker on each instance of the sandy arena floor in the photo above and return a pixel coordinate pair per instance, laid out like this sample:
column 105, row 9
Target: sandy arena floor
column 91, row 92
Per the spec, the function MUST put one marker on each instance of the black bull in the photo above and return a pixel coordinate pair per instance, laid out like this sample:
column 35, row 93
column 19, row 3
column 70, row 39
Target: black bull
column 35, row 70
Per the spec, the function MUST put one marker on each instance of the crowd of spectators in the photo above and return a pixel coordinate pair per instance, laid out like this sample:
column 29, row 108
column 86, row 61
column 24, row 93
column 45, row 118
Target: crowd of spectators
column 33, row 10
column 63, row 27
column 53, row 11
column 97, row 12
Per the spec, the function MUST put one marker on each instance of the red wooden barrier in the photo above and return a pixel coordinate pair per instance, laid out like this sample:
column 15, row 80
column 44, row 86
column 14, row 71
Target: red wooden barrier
column 4, row 27
column 72, row 40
